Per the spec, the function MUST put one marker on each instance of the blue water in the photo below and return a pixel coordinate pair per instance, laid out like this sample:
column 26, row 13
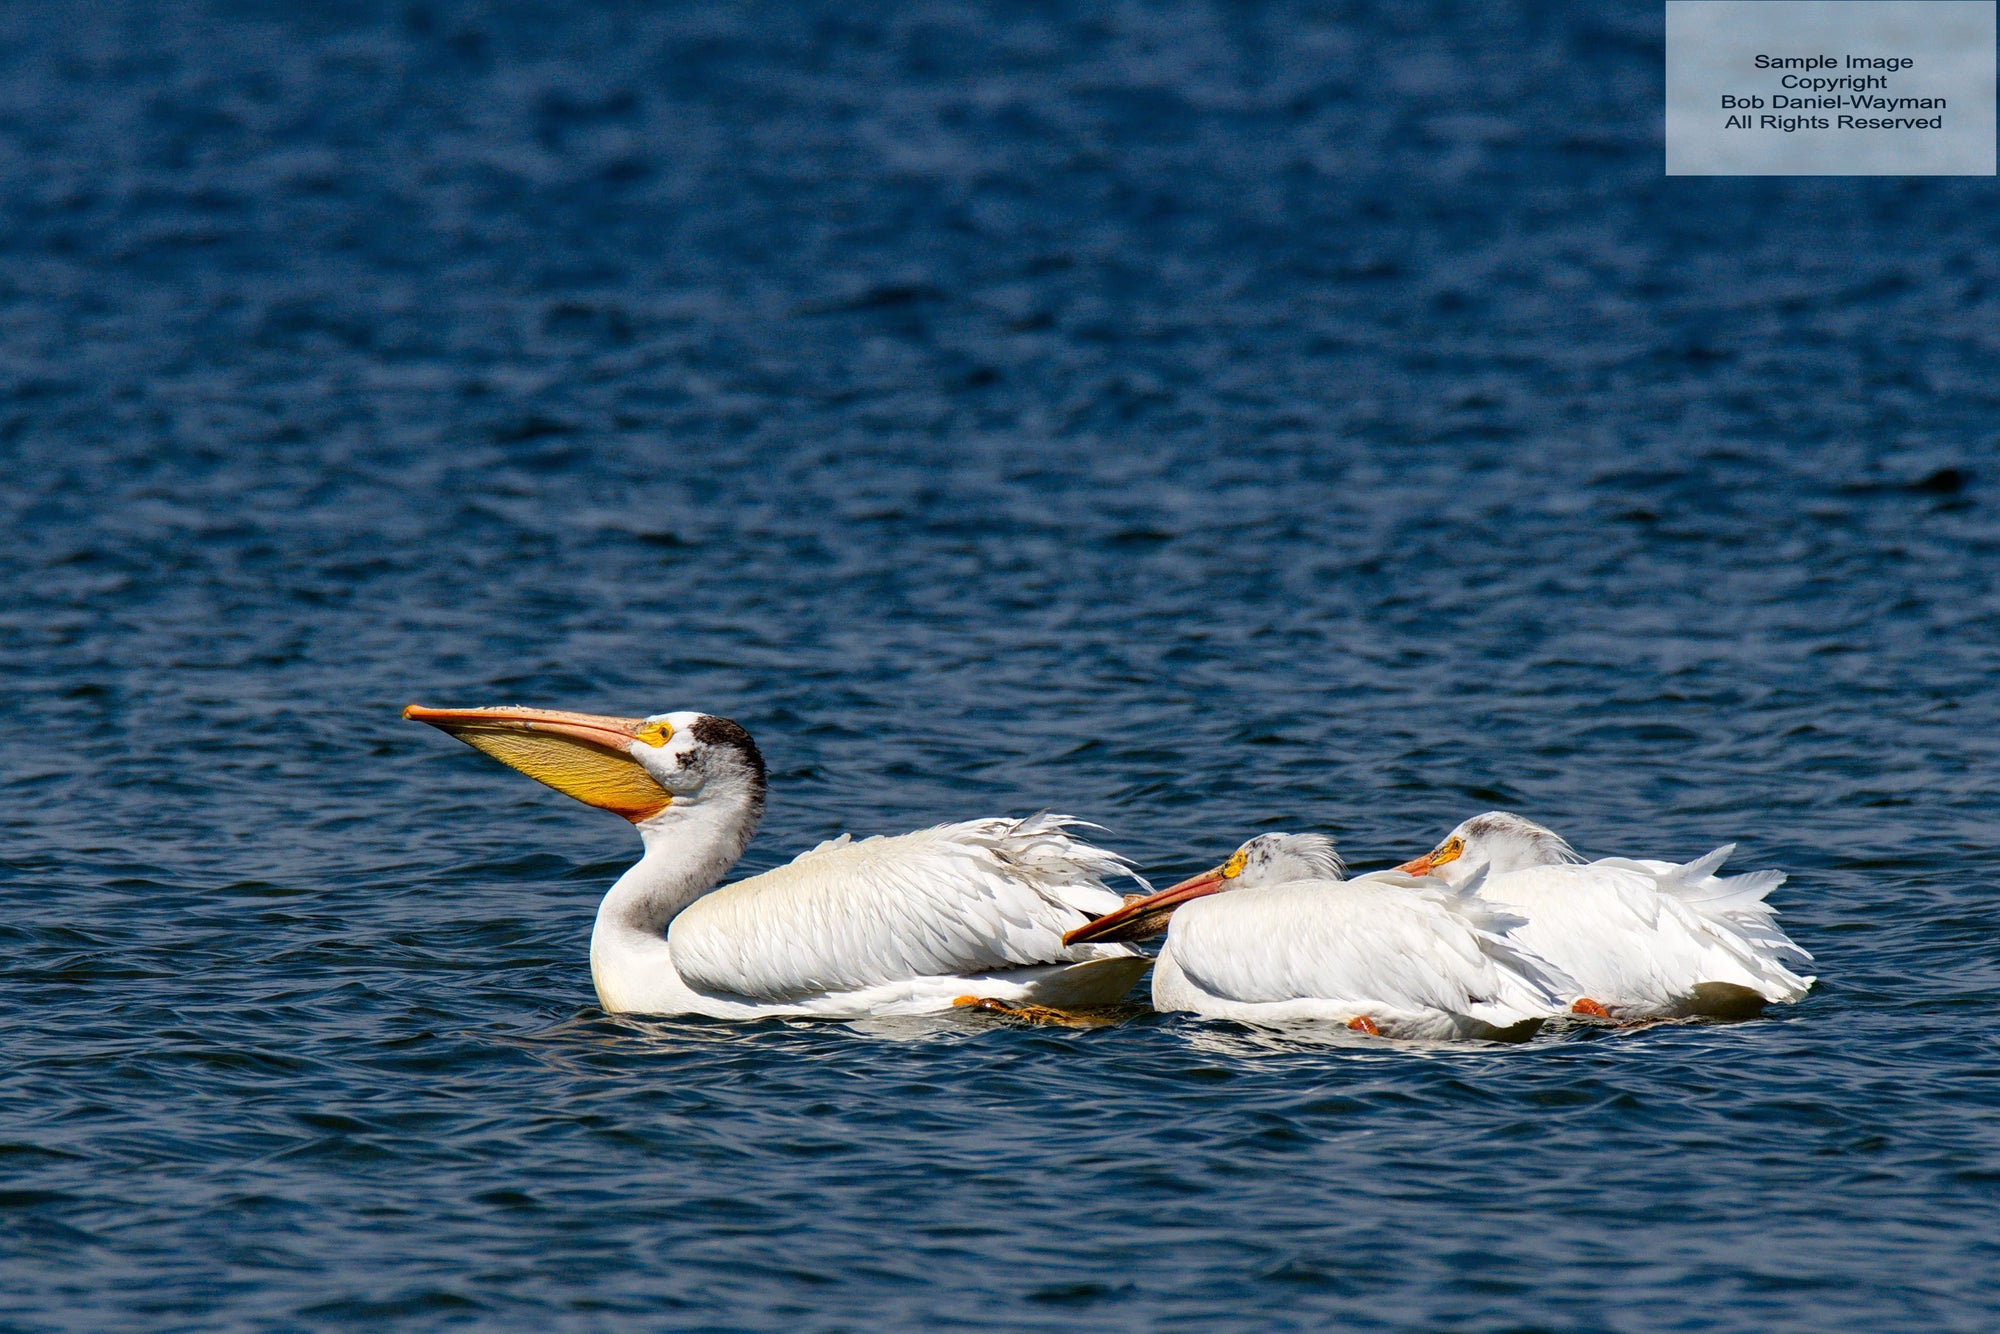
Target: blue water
column 1199, row 418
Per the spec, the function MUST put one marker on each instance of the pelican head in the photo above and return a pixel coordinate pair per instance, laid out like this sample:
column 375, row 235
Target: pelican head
column 1496, row 842
column 636, row 767
column 1268, row 859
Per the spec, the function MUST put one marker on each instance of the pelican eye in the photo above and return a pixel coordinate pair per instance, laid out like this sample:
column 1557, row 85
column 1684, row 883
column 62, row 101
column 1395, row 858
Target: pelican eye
column 1449, row 850
column 1234, row 866
column 655, row 733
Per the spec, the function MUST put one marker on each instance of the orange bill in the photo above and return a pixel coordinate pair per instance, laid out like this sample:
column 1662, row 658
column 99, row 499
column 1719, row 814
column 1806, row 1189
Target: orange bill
column 582, row 755
column 1447, row 851
column 1144, row 918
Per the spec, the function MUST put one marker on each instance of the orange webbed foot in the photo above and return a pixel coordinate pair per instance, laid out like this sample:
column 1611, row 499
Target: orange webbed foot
column 1585, row 1005
column 1361, row 1023
column 1098, row 1017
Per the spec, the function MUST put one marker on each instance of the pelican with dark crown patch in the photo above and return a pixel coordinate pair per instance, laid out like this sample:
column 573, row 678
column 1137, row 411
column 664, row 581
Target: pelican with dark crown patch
column 961, row 913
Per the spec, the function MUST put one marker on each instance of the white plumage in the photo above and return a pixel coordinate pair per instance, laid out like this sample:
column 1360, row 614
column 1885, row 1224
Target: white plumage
column 1641, row 939
column 899, row 925
column 1291, row 942
column 959, row 899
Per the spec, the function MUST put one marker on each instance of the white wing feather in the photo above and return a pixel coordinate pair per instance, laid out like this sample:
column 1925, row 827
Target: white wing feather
column 1736, row 905
column 1384, row 941
column 1643, row 935
column 957, row 899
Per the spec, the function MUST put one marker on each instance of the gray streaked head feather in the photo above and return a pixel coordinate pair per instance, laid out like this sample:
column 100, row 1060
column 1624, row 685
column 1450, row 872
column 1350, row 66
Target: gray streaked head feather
column 727, row 736
column 1272, row 859
column 1513, row 841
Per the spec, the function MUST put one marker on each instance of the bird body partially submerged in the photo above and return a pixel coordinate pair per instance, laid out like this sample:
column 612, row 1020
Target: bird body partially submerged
column 979, row 897
column 897, row 925
column 1293, row 943
column 1415, row 961
column 1642, row 939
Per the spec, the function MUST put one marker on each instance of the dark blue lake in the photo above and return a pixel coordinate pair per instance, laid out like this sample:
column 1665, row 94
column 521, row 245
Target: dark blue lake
column 1201, row 418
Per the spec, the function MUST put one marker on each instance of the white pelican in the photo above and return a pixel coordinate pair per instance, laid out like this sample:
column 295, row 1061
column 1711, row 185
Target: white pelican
column 1642, row 939
column 964, row 913
column 1293, row 942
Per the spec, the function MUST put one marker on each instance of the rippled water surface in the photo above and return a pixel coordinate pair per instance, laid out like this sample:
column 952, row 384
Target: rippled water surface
column 1201, row 418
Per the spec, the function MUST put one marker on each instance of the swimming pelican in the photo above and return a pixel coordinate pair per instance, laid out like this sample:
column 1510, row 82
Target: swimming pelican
column 1643, row 939
column 1293, row 942
column 963, row 913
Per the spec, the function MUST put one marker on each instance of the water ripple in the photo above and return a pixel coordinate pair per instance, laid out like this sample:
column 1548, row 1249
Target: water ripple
column 1203, row 420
